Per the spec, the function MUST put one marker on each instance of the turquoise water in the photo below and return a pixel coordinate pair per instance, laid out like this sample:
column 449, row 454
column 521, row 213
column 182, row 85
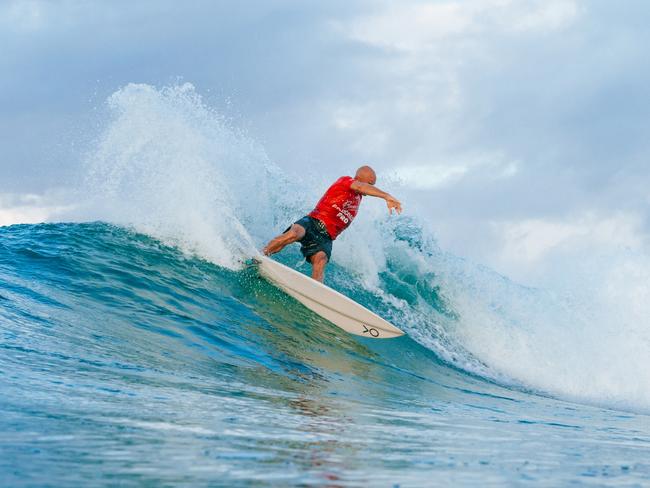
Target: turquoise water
column 125, row 361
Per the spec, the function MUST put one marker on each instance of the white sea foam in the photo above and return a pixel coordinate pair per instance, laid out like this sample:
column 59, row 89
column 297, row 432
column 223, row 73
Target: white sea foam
column 589, row 344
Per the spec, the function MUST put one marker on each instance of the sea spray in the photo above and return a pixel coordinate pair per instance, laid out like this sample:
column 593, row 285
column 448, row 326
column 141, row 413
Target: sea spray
column 171, row 167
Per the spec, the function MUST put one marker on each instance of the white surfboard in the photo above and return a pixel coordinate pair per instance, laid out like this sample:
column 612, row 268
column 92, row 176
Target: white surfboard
column 326, row 302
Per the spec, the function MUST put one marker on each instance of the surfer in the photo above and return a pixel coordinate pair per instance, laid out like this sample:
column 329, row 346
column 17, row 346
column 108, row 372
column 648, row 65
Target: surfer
column 334, row 212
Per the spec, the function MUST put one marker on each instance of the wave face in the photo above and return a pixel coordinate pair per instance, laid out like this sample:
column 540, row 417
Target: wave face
column 147, row 347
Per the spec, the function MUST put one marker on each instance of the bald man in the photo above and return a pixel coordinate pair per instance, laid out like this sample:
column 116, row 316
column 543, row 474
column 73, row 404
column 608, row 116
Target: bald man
column 334, row 212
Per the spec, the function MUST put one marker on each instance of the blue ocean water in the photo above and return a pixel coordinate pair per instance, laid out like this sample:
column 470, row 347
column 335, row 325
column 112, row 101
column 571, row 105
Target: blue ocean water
column 126, row 362
column 137, row 349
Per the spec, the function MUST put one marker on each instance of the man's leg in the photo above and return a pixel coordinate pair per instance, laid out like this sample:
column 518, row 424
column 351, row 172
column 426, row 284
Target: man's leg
column 294, row 234
column 318, row 262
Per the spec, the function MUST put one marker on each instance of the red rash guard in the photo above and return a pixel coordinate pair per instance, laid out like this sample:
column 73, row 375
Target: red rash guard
column 338, row 206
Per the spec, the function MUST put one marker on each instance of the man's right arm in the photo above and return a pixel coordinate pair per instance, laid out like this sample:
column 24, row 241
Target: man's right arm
column 373, row 191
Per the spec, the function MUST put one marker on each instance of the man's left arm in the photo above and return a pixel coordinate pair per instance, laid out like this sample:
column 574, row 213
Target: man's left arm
column 373, row 191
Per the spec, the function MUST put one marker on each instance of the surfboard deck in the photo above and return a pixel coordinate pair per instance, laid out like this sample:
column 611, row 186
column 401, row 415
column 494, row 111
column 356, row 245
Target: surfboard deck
column 326, row 302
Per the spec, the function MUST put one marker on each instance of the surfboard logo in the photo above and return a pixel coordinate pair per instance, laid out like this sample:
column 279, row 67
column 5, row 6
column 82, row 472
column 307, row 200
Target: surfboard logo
column 370, row 330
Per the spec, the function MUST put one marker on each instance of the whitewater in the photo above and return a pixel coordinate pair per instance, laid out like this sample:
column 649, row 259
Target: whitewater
column 137, row 347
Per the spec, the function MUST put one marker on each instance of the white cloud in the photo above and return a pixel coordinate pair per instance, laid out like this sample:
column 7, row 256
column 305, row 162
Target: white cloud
column 529, row 241
column 411, row 26
column 25, row 16
column 430, row 53
column 416, row 26
column 360, row 119
column 431, row 176
column 549, row 16
column 28, row 209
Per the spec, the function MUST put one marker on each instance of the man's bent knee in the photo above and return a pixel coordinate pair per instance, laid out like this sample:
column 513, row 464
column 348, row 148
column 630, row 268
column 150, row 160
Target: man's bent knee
column 296, row 232
column 319, row 259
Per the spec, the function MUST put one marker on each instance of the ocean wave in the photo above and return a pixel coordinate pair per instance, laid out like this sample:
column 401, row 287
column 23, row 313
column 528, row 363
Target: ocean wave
column 168, row 166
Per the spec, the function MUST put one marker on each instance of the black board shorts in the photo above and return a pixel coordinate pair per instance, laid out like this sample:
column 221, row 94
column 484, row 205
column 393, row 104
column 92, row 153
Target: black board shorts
column 316, row 237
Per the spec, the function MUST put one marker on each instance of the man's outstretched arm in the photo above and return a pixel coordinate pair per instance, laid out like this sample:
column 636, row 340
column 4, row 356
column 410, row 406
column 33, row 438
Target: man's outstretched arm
column 373, row 191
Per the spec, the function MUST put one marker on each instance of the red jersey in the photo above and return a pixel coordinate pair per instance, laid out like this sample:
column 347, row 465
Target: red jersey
column 338, row 206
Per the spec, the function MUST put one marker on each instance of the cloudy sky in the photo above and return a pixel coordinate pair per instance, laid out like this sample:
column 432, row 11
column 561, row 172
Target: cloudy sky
column 516, row 127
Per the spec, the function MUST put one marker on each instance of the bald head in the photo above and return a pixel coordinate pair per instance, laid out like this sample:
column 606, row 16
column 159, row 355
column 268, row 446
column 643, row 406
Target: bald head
column 366, row 174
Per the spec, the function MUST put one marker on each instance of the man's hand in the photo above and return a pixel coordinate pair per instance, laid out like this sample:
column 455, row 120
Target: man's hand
column 393, row 203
